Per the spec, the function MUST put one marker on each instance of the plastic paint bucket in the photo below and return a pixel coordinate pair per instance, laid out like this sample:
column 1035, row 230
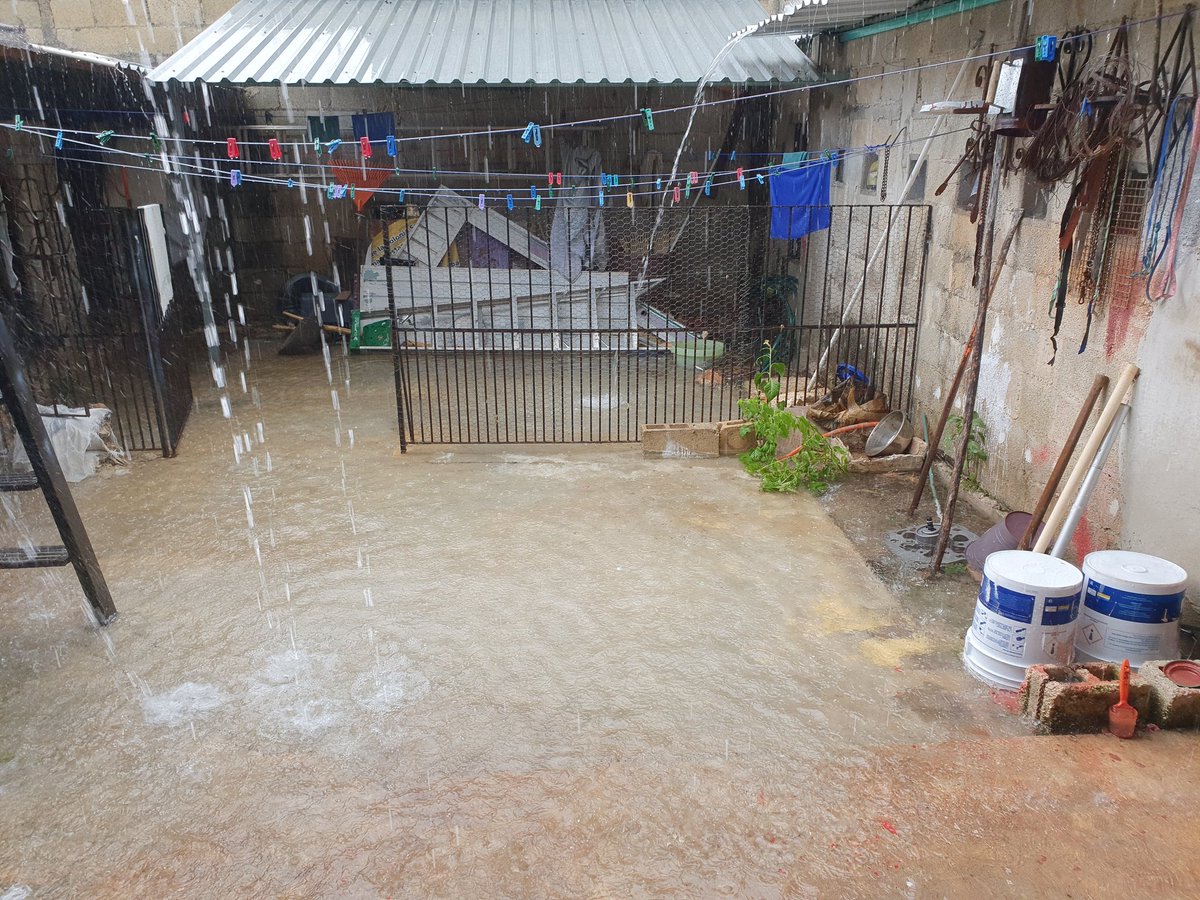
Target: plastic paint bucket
column 1025, row 615
column 1131, row 606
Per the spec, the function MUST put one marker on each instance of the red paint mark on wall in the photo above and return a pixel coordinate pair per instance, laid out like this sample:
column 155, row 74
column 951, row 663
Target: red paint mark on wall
column 1042, row 455
column 1084, row 541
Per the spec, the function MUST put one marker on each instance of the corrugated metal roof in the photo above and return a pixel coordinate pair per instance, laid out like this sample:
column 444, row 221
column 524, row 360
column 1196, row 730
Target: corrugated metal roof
column 483, row 42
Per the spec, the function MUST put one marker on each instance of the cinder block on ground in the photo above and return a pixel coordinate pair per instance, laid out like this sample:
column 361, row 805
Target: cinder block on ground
column 681, row 440
column 730, row 439
column 1171, row 706
column 1076, row 699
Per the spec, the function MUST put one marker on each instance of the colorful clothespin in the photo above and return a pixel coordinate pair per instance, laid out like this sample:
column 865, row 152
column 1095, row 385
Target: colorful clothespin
column 391, row 145
column 353, row 188
column 291, row 182
column 733, row 156
column 155, row 142
column 18, row 123
column 708, row 186
column 231, row 148
column 510, row 202
column 1045, row 48
column 693, row 177
column 532, row 132
column 401, row 195
column 532, row 192
column 235, row 177
column 676, row 193
column 648, row 117
column 365, row 143
column 558, row 178
column 274, row 149
column 741, row 178
column 482, row 204
column 629, row 199
column 333, row 145
column 603, row 179
column 602, row 198
column 761, row 180
column 58, row 141
column 1085, row 108
column 537, row 203
column 339, row 192
column 550, row 178
column 329, row 190
column 317, row 146
column 105, row 136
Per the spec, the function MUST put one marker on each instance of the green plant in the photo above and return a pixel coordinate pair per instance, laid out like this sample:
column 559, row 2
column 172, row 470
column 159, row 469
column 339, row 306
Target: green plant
column 816, row 464
column 976, row 445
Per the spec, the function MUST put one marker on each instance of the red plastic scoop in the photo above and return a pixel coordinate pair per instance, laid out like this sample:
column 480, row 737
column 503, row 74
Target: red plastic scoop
column 1122, row 718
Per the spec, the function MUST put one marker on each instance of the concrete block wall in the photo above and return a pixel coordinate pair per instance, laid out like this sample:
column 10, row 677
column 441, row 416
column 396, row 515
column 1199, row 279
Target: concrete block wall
column 142, row 31
column 1147, row 498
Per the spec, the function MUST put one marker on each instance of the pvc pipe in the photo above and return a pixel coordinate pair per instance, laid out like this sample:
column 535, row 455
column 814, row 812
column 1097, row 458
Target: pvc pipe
column 1089, row 484
column 1085, row 457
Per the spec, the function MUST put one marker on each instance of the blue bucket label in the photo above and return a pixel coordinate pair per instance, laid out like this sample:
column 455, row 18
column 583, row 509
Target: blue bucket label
column 1008, row 603
column 1129, row 606
column 1060, row 610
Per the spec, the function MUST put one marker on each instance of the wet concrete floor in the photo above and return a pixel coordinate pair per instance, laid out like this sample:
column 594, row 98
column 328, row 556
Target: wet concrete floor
column 521, row 672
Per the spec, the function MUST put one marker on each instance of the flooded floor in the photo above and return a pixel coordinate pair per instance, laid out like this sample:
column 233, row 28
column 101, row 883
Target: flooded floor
column 521, row 672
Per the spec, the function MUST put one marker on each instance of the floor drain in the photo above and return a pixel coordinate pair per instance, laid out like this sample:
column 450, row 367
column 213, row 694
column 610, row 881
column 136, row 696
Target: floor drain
column 917, row 543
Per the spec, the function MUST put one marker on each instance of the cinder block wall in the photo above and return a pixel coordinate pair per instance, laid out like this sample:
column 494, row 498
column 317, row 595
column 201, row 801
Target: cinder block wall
column 1149, row 496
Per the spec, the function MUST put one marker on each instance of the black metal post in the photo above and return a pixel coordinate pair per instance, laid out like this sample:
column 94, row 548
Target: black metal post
column 23, row 408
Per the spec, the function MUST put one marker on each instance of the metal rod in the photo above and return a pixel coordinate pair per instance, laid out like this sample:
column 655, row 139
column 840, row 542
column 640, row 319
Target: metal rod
column 1064, row 458
column 1089, row 484
column 28, row 421
column 985, row 296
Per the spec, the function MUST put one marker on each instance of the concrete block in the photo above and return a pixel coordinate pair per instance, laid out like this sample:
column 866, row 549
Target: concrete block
column 681, row 440
column 730, row 440
column 1076, row 699
column 1171, row 706
column 73, row 15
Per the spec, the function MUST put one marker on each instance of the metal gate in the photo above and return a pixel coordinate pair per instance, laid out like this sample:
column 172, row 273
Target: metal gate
column 494, row 341
column 84, row 311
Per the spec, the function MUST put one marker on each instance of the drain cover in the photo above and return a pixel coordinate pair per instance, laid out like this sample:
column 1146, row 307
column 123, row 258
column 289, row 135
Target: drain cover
column 917, row 543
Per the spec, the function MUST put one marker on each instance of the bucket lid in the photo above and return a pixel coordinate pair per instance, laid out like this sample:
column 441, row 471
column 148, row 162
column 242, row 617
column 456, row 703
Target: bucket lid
column 1037, row 572
column 1134, row 571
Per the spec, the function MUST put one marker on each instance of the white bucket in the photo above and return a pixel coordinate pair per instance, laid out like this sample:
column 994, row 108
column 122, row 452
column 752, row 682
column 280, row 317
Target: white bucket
column 1025, row 616
column 1131, row 606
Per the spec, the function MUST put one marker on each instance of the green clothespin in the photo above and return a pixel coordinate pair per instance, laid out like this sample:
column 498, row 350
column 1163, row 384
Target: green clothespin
column 648, row 117
column 351, row 192
column 317, row 146
column 105, row 136
column 155, row 142
column 18, row 123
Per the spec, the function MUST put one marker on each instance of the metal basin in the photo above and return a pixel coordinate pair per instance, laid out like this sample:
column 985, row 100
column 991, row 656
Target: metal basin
column 893, row 434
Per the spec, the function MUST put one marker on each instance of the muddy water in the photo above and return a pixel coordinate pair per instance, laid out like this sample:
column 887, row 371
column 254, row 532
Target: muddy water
column 513, row 672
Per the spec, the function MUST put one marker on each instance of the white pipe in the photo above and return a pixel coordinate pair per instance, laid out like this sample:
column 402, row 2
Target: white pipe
column 1115, row 399
column 908, row 186
column 1089, row 483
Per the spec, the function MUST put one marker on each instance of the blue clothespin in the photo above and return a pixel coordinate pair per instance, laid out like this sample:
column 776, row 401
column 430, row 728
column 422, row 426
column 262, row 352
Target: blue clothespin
column 391, row 145
column 401, row 195
column 1045, row 48
column 758, row 175
column 510, row 202
column 329, row 190
column 708, row 186
column 603, row 179
column 340, row 192
column 658, row 184
column 58, row 141
column 235, row 177
column 482, row 204
column 648, row 116
column 602, row 198
column 532, row 192
column 733, row 156
column 533, row 131
column 333, row 145
column 1085, row 108
column 291, row 182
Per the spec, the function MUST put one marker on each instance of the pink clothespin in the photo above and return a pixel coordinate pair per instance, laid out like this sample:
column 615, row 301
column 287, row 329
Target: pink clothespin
column 676, row 193
column 693, row 177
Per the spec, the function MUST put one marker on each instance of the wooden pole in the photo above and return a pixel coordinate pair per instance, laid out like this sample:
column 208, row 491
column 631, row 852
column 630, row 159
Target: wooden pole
column 1060, row 466
column 1115, row 399
column 985, row 296
column 935, row 439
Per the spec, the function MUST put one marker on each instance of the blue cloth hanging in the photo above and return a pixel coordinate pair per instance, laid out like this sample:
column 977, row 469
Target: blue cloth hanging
column 800, row 199
column 374, row 126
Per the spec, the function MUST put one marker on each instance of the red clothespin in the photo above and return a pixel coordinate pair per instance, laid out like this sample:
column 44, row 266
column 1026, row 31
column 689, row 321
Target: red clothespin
column 550, row 179
column 231, row 148
column 558, row 178
column 676, row 193
column 365, row 143
column 741, row 178
column 274, row 149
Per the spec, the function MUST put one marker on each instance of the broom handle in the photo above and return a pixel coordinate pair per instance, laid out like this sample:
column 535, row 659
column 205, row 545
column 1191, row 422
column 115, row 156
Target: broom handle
column 1115, row 399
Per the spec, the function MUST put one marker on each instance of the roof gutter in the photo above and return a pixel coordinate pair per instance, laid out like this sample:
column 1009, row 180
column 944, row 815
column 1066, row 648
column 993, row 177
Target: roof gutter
column 913, row 17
